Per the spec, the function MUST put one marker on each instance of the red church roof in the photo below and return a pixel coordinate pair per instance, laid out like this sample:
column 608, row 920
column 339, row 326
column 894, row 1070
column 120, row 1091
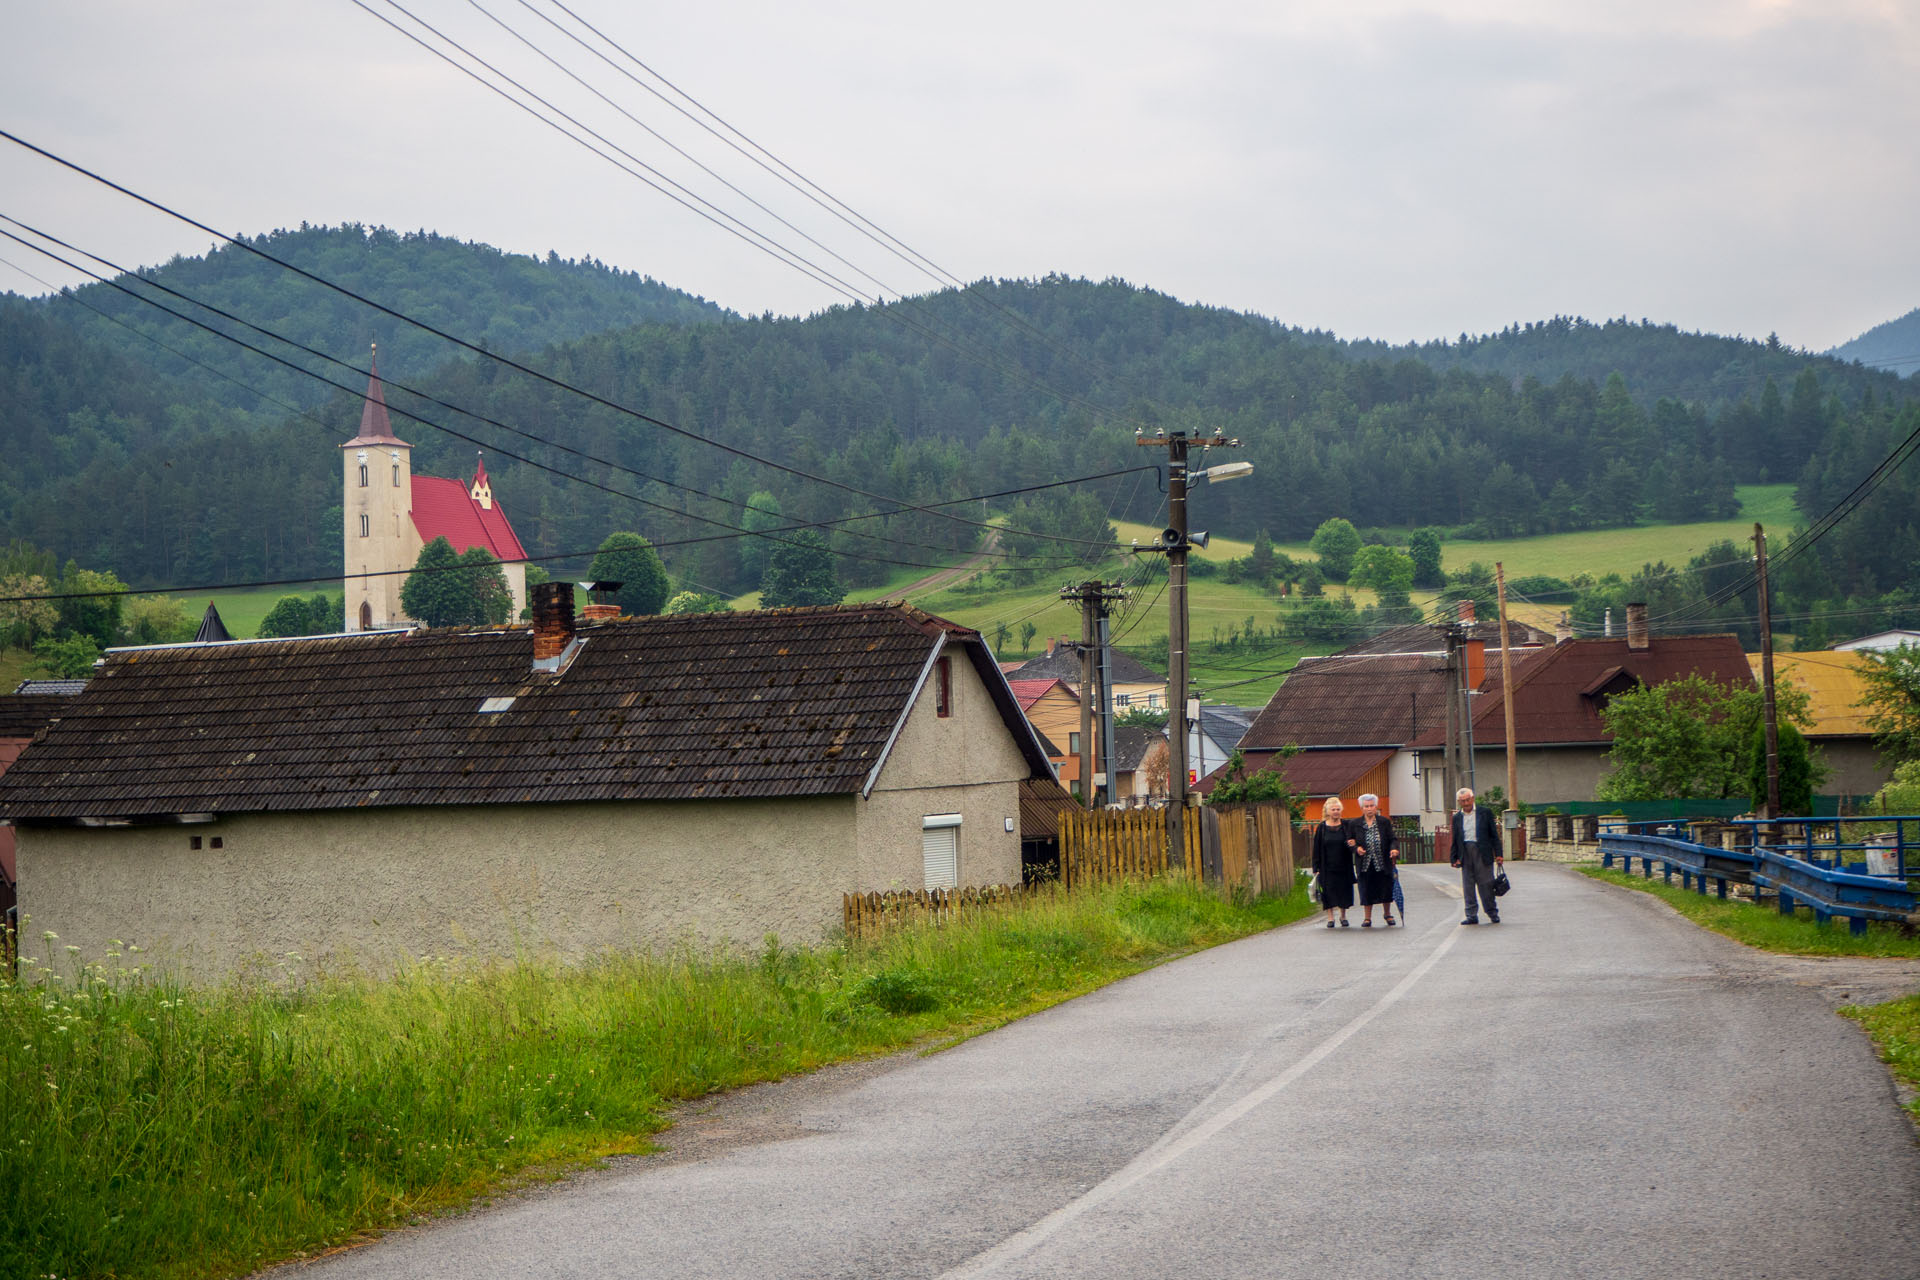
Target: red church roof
column 446, row 509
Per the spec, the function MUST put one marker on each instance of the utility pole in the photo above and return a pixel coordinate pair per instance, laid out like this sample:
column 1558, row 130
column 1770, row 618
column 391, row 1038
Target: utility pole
column 1106, row 694
column 1450, row 756
column 1175, row 541
column 1096, row 681
column 1766, row 678
column 1511, row 818
column 1086, row 593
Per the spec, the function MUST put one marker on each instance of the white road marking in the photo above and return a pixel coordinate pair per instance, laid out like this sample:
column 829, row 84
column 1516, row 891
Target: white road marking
column 1160, row 1155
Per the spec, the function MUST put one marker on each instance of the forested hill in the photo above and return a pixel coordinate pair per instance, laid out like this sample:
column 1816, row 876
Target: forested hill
column 1002, row 385
column 506, row 302
column 1894, row 346
column 1658, row 360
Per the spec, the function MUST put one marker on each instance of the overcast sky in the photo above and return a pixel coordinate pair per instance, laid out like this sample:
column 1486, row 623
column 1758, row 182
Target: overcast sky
column 1394, row 169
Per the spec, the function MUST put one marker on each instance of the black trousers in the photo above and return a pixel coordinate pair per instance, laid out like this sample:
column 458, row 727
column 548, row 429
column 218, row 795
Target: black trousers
column 1476, row 875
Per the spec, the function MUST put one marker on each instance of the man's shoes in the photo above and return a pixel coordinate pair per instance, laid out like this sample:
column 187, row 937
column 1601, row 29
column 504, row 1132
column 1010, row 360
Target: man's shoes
column 1494, row 916
column 1469, row 921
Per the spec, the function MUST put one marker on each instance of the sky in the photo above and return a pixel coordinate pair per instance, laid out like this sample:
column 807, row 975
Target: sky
column 1390, row 169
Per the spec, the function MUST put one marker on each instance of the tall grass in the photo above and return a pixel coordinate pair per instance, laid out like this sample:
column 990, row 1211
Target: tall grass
column 148, row 1129
column 1895, row 1028
column 1764, row 927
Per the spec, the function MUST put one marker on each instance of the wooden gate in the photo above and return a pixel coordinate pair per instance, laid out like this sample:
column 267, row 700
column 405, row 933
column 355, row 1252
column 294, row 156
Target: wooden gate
column 1256, row 846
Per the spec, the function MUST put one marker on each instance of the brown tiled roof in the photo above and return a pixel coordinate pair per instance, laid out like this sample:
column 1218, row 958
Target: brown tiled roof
column 1352, row 701
column 1418, row 637
column 1064, row 664
column 1042, row 800
column 1558, row 695
column 24, row 714
column 1314, row 773
column 780, row 703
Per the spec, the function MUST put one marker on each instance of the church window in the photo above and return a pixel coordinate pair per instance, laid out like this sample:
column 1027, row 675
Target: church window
column 396, row 475
column 363, row 475
column 365, row 529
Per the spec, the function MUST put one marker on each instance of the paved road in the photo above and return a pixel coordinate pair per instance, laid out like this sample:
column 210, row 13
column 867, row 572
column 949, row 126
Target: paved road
column 1593, row 1088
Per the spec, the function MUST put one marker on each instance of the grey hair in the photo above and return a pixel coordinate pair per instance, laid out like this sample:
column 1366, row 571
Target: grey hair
column 1369, row 796
column 1464, row 791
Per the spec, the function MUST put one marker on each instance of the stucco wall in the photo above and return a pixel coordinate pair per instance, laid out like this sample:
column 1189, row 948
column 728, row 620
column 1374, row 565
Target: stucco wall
column 920, row 779
column 374, row 886
column 1855, row 764
column 1547, row 774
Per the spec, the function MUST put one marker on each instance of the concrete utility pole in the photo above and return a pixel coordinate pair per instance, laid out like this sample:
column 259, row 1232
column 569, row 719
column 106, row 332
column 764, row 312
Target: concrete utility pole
column 1766, row 678
column 1511, row 818
column 1175, row 541
column 1105, row 641
column 1096, row 681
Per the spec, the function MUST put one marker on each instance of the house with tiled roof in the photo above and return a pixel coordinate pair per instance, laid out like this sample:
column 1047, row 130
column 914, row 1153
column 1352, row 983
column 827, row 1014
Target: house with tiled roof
column 23, row 714
column 586, row 785
column 1135, row 684
column 1836, row 690
column 390, row 514
column 1053, row 710
column 1558, row 695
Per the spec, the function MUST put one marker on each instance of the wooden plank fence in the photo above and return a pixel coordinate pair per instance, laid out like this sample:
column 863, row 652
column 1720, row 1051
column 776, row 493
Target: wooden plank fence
column 865, row 914
column 1249, row 846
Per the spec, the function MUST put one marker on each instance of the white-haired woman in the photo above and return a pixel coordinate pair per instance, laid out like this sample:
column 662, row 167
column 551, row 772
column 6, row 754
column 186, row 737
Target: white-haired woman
column 1375, row 850
column 1333, row 843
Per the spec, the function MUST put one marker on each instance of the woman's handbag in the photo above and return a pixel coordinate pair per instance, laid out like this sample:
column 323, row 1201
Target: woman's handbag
column 1500, row 883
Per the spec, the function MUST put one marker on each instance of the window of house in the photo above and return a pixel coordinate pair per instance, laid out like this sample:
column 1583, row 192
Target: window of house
column 396, row 475
column 940, row 850
column 1073, row 744
column 1122, row 699
column 363, row 475
column 366, row 529
column 943, row 672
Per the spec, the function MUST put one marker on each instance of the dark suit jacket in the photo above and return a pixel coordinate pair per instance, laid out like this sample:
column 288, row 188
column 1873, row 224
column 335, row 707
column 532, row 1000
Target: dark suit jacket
column 1486, row 832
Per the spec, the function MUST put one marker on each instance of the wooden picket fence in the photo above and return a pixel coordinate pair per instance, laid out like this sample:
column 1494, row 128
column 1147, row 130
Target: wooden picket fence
column 865, row 914
column 1247, row 847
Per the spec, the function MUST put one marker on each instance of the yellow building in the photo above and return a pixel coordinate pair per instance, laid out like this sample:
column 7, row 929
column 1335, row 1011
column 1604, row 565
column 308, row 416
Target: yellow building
column 1834, row 683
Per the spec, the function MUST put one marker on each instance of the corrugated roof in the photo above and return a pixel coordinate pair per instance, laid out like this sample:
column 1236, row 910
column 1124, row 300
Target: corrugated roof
column 1554, row 692
column 1313, row 773
column 1834, row 683
column 446, row 509
column 1042, row 801
column 781, row 703
column 1028, row 692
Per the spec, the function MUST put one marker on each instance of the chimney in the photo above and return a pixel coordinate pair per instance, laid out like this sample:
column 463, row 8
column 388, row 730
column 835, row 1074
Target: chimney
column 599, row 612
column 1474, row 653
column 1051, row 642
column 1606, row 624
column 1636, row 626
column 1466, row 612
column 552, row 623
column 1563, row 630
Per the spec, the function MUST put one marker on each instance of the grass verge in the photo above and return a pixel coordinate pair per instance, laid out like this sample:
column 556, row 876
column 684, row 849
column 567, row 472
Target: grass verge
column 155, row 1130
column 1764, row 927
column 1895, row 1028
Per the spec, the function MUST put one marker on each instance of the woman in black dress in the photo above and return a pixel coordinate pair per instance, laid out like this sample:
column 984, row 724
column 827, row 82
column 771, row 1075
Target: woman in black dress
column 1375, row 850
column 1333, row 842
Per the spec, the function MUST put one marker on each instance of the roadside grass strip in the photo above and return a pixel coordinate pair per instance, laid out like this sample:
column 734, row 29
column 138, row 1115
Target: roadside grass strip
column 1765, row 928
column 1895, row 1028
column 155, row 1130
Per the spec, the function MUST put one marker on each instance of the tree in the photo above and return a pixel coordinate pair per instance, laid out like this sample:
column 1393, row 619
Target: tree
column 1902, row 793
column 1892, row 701
column 1336, row 542
column 697, row 602
column 1237, row 786
column 1800, row 771
column 1260, row 561
column 1424, row 549
column 1475, row 583
column 630, row 560
column 1141, row 718
column 24, row 620
column 1688, row 738
column 155, row 620
column 314, row 615
column 94, row 604
column 761, row 515
column 1384, row 569
column 1312, row 581
column 800, row 572
column 453, row 590
column 1002, row 633
column 1027, row 632
column 67, row 658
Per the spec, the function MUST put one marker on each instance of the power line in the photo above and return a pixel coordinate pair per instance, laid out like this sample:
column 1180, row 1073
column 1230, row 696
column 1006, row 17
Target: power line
column 506, row 361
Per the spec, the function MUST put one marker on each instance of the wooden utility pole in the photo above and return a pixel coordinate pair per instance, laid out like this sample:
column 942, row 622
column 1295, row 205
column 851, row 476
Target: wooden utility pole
column 1096, row 682
column 1174, row 541
column 1087, row 593
column 1766, row 678
column 1510, row 819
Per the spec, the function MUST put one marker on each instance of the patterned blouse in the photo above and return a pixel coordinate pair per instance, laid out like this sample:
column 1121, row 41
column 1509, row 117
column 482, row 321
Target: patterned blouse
column 1374, row 843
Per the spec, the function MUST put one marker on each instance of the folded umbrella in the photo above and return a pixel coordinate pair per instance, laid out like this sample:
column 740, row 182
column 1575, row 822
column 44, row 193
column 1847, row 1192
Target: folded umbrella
column 1399, row 898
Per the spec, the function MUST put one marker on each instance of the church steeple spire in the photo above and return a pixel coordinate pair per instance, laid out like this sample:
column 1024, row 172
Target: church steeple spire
column 375, row 426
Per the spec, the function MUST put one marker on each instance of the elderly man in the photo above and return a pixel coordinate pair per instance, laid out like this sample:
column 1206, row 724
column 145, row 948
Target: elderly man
column 1476, row 851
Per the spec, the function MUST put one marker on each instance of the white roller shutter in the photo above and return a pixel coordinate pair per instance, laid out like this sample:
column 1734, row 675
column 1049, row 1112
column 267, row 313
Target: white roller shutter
column 940, row 850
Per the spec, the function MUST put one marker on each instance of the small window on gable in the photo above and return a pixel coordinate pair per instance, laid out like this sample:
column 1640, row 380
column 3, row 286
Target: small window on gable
column 366, row 527
column 217, row 842
column 943, row 674
column 193, row 842
column 363, row 475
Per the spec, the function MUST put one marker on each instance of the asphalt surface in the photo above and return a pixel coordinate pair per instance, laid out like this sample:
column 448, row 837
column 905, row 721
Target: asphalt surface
column 1592, row 1088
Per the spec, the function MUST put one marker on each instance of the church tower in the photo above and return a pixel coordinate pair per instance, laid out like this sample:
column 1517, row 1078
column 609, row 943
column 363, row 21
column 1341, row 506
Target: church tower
column 377, row 500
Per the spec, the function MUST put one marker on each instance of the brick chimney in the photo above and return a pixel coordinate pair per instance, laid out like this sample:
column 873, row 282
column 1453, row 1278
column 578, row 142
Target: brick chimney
column 1637, row 626
column 599, row 612
column 1474, row 654
column 1466, row 612
column 552, row 623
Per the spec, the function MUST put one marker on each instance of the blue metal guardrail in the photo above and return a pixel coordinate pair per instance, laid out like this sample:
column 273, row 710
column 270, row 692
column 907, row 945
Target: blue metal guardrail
column 1812, row 869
